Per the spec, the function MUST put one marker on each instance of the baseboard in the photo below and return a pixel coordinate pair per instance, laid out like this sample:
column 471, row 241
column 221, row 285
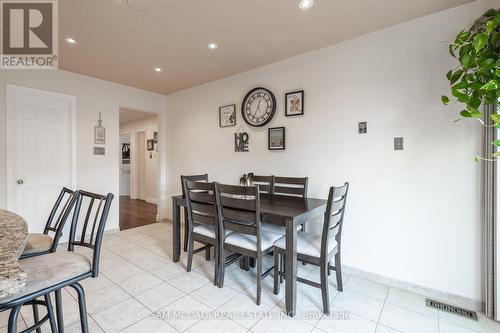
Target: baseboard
column 151, row 200
column 468, row 303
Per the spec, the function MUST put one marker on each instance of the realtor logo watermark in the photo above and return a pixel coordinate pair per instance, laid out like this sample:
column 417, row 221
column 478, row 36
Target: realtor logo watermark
column 29, row 33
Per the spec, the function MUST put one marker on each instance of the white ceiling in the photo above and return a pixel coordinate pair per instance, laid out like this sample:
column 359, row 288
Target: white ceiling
column 128, row 115
column 118, row 43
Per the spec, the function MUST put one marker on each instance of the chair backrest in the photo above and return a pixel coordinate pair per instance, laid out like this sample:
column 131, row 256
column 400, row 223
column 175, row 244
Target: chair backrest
column 88, row 224
column 334, row 217
column 59, row 214
column 291, row 186
column 239, row 209
column 201, row 204
column 195, row 178
column 266, row 183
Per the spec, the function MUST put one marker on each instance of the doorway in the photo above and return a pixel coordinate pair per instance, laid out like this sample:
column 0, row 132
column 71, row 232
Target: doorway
column 138, row 168
column 40, row 151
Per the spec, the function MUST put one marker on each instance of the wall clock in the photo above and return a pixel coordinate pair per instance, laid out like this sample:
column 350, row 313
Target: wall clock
column 258, row 107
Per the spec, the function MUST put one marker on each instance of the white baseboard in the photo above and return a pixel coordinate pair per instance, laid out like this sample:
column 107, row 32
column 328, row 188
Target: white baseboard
column 468, row 303
column 151, row 200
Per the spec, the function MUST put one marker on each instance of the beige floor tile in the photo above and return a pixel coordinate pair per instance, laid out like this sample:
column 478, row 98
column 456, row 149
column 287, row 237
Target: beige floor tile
column 100, row 300
column 361, row 305
column 140, row 283
column 445, row 327
column 459, row 321
column 216, row 326
column 123, row 272
column 343, row 321
column 407, row 321
column 76, row 327
column 410, row 301
column 189, row 281
column 243, row 310
column 159, row 296
column 367, row 288
column 214, row 296
column 385, row 329
column 278, row 322
column 150, row 324
column 121, row 315
column 184, row 312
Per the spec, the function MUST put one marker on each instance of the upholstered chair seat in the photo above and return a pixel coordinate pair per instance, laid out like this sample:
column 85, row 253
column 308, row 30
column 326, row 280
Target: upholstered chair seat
column 36, row 243
column 249, row 242
column 277, row 229
column 51, row 269
column 207, row 230
column 308, row 244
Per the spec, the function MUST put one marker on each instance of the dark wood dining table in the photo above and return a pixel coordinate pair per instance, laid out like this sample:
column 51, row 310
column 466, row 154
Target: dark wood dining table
column 280, row 210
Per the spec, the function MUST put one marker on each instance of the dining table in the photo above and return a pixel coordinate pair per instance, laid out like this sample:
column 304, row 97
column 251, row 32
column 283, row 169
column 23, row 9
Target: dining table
column 13, row 235
column 286, row 211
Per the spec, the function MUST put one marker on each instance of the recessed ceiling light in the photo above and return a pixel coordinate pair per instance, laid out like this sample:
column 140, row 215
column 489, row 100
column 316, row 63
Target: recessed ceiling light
column 306, row 4
column 212, row 46
column 158, row 69
column 70, row 40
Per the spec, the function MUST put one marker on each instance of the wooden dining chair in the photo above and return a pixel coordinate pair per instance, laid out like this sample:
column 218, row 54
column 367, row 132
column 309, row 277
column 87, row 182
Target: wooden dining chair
column 239, row 212
column 38, row 244
column 265, row 183
column 54, row 271
column 196, row 178
column 203, row 223
column 319, row 250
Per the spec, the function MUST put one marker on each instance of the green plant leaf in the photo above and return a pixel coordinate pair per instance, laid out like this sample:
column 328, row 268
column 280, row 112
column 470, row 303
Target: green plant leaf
column 456, row 76
column 445, row 100
column 495, row 118
column 465, row 113
column 490, row 26
column 461, row 97
column 490, row 13
column 491, row 85
column 480, row 41
column 497, row 154
column 466, row 60
column 449, row 74
column 475, row 101
column 496, row 143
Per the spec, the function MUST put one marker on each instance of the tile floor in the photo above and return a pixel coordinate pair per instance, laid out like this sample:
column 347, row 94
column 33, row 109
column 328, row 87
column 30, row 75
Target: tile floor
column 140, row 289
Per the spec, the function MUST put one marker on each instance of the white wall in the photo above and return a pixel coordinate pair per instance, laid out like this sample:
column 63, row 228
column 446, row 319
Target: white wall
column 412, row 215
column 94, row 173
column 149, row 125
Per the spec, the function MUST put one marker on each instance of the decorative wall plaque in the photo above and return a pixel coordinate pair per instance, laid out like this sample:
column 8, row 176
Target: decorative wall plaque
column 99, row 132
column 241, row 141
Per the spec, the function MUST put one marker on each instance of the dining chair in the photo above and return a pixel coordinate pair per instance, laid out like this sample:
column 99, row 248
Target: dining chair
column 266, row 183
column 38, row 244
column 202, row 221
column 319, row 250
column 54, row 271
column 290, row 187
column 239, row 212
column 196, row 178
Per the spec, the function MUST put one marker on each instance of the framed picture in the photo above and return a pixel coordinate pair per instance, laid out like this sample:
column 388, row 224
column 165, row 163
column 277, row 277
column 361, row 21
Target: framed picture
column 276, row 138
column 227, row 115
column 151, row 145
column 125, row 153
column 294, row 103
column 155, row 136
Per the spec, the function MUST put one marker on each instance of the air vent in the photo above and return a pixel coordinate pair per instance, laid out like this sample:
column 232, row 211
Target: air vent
column 451, row 309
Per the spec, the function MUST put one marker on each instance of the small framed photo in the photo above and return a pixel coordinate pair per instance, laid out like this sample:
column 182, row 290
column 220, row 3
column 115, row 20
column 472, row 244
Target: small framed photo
column 276, row 138
column 155, row 136
column 151, row 145
column 294, row 103
column 227, row 115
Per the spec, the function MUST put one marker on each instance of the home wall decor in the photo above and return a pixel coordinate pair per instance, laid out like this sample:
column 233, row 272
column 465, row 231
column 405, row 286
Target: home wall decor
column 151, row 145
column 294, row 103
column 276, row 138
column 241, row 141
column 99, row 132
column 227, row 115
column 258, row 107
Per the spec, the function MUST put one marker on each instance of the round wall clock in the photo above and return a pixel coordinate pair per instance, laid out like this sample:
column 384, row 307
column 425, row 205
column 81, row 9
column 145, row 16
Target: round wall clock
column 258, row 107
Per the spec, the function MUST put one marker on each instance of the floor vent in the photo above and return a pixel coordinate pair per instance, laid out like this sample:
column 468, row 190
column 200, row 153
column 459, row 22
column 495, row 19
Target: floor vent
column 451, row 309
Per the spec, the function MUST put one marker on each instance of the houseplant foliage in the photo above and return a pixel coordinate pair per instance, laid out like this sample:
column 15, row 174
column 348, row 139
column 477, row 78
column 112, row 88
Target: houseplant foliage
column 476, row 79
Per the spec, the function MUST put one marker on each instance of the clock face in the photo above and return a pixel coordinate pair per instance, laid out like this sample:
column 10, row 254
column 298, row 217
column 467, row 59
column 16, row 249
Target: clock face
column 258, row 107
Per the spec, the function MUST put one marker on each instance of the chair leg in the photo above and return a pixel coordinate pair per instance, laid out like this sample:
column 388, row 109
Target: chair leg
column 36, row 317
column 13, row 317
column 186, row 230
column 324, row 287
column 259, row 277
column 222, row 266
column 338, row 272
column 276, row 271
column 216, row 272
column 83, row 307
column 59, row 311
column 329, row 270
column 282, row 268
column 303, row 229
column 208, row 254
column 50, row 313
column 190, row 253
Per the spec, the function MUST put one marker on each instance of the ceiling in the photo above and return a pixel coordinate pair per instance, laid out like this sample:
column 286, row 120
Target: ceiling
column 128, row 115
column 124, row 40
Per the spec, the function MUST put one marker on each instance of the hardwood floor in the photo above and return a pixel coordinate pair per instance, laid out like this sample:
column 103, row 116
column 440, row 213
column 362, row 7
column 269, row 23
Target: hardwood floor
column 136, row 213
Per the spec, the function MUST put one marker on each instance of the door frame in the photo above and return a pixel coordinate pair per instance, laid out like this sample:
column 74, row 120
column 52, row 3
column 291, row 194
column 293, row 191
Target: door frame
column 135, row 194
column 11, row 90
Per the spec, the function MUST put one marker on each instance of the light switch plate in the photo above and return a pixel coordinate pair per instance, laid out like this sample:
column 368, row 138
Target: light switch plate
column 398, row 143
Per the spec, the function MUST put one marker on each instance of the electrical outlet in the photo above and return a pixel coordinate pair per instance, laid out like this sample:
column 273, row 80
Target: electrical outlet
column 398, row 143
column 362, row 127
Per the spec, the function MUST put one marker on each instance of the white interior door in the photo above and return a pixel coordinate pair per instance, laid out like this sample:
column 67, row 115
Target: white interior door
column 124, row 168
column 141, row 164
column 39, row 152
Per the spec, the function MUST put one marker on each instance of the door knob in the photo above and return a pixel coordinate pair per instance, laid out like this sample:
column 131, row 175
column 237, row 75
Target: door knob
column 20, row 181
